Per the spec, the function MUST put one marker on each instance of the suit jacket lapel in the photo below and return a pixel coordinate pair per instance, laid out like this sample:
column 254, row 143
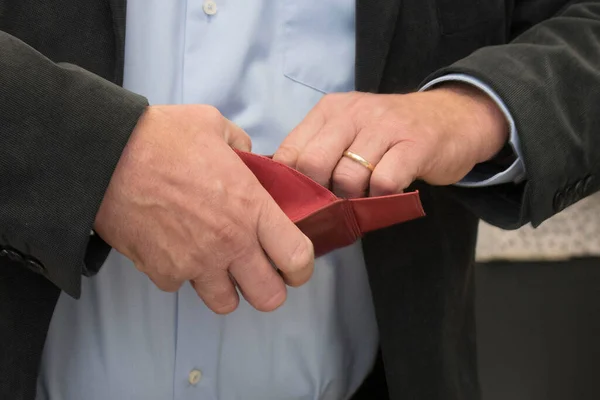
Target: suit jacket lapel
column 118, row 10
column 375, row 24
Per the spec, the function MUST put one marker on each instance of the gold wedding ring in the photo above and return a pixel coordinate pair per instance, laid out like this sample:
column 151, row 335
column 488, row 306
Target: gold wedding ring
column 356, row 158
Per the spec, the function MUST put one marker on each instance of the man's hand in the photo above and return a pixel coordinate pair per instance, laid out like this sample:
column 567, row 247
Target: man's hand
column 437, row 136
column 183, row 207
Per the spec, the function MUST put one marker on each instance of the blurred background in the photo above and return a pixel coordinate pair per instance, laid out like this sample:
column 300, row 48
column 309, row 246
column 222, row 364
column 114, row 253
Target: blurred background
column 538, row 308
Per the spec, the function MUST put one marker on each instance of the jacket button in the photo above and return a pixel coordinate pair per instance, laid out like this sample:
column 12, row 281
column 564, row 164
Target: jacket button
column 35, row 266
column 587, row 182
column 559, row 202
column 580, row 189
column 13, row 255
column 570, row 196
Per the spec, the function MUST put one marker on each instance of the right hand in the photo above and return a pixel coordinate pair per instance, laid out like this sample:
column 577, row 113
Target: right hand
column 184, row 207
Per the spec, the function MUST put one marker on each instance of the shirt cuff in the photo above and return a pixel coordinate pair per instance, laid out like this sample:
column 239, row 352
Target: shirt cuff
column 515, row 173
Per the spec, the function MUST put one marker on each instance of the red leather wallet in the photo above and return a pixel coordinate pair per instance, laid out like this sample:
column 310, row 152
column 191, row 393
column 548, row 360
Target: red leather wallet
column 329, row 221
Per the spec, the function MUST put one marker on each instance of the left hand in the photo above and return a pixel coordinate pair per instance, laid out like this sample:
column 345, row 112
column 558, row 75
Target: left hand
column 437, row 136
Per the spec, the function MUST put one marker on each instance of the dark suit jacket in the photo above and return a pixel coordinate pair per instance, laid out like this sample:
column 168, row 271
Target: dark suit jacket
column 62, row 130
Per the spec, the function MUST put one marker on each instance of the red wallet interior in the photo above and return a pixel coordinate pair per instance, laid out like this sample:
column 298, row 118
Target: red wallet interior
column 329, row 221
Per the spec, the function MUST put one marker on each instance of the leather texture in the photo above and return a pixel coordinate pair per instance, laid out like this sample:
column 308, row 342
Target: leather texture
column 329, row 221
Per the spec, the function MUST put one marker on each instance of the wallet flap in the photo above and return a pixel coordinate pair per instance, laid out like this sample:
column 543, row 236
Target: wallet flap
column 329, row 221
column 331, row 227
column 374, row 213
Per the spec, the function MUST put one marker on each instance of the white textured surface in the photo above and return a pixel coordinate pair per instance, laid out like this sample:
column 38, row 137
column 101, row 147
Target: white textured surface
column 574, row 232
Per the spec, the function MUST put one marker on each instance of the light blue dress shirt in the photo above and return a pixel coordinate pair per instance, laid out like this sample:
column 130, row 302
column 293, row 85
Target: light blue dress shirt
column 264, row 64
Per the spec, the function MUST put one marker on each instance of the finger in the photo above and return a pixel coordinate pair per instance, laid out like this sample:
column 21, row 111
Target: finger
column 258, row 281
column 237, row 138
column 322, row 153
column 165, row 284
column 350, row 179
column 289, row 249
column 291, row 147
column 217, row 291
column 398, row 168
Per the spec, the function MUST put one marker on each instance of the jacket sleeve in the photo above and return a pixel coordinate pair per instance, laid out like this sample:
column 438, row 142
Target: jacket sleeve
column 549, row 78
column 62, row 131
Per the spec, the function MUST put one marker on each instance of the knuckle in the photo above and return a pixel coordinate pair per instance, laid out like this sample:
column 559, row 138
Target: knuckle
column 227, row 234
column 178, row 267
column 370, row 110
column 166, row 288
column 140, row 266
column 312, row 160
column 329, row 98
column 331, row 101
column 212, row 115
column 230, row 242
column 165, row 285
column 161, row 270
column 391, row 123
column 379, row 109
column 172, row 273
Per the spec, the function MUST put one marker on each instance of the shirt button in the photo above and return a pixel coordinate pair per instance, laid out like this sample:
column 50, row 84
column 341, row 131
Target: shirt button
column 194, row 377
column 35, row 266
column 210, row 7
